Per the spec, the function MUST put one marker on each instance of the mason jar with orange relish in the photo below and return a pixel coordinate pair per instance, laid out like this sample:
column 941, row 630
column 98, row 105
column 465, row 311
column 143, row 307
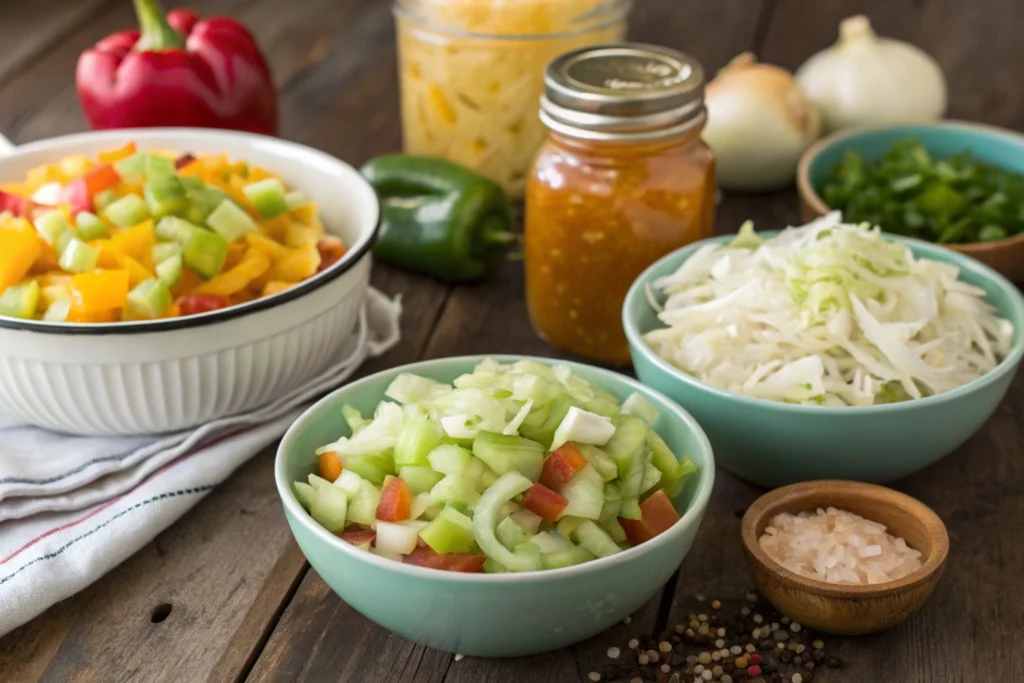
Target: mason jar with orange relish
column 622, row 179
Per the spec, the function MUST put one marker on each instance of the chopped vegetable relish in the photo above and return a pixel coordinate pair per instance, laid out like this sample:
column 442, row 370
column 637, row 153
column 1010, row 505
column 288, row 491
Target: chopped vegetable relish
column 134, row 235
column 510, row 468
column 954, row 200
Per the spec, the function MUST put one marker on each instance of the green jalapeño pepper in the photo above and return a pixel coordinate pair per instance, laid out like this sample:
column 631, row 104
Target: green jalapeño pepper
column 439, row 218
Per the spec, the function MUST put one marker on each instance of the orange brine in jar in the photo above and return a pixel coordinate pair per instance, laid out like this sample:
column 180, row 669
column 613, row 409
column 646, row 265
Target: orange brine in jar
column 622, row 180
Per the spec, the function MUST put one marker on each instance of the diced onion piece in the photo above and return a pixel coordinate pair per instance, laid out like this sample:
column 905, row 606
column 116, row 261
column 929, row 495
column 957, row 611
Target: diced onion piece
column 457, row 427
column 408, row 388
column 512, row 428
column 485, row 522
column 398, row 539
column 582, row 426
column 529, row 521
column 640, row 407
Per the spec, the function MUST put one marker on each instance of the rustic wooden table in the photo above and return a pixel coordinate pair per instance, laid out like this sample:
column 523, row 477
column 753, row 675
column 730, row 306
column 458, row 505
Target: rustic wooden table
column 225, row 594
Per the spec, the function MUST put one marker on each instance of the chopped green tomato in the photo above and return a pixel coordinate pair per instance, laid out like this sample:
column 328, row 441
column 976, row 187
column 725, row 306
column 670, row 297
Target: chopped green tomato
column 164, row 250
column 567, row 526
column 567, row 558
column 475, row 469
column 104, row 199
column 652, row 475
column 582, row 426
column 639, row 406
column 372, row 467
column 305, row 494
column 63, row 241
column 349, row 482
column 610, row 509
column 157, row 166
column 267, row 197
column 90, row 227
column 165, row 196
column 418, row 437
column 614, row 530
column 149, row 299
column 548, row 542
column 585, row 493
column 630, row 508
column 329, row 508
column 455, row 489
column 79, row 257
column 127, row 211
column 504, row 453
column 492, row 567
column 485, row 522
column 169, row 270
column 205, row 253
column 596, row 540
column 202, row 201
column 133, row 168
column 230, row 221
column 20, row 301
column 627, row 444
column 450, row 459
column 511, row 534
column 450, row 532
column 540, row 424
column 353, row 418
column 58, row 311
column 420, row 479
column 51, row 224
column 599, row 460
column 174, row 229
column 295, row 200
column 529, row 555
column 317, row 481
column 363, row 509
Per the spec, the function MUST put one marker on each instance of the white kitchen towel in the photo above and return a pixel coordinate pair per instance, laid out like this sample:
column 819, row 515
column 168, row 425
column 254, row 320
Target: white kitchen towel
column 60, row 537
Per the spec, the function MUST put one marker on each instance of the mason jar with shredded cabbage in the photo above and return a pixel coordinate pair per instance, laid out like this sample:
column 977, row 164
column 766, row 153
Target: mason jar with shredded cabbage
column 472, row 72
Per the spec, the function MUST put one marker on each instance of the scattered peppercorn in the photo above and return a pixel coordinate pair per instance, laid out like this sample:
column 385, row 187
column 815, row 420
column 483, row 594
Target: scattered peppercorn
column 753, row 670
column 741, row 662
column 833, row 662
column 594, row 676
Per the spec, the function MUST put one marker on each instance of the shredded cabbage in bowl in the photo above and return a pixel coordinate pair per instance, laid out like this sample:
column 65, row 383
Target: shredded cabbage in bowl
column 829, row 314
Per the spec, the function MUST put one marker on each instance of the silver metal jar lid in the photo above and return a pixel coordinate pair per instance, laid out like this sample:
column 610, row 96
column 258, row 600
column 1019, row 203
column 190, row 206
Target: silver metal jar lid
column 621, row 92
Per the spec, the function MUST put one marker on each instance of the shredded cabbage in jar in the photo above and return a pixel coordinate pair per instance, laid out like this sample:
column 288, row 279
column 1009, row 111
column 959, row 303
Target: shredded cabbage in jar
column 472, row 73
column 828, row 313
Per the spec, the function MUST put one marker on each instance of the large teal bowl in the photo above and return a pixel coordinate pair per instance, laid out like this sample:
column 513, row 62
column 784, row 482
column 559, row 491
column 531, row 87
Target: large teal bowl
column 499, row 615
column 773, row 444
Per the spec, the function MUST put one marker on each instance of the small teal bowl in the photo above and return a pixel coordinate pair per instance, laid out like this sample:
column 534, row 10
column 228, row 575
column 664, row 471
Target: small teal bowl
column 500, row 615
column 773, row 444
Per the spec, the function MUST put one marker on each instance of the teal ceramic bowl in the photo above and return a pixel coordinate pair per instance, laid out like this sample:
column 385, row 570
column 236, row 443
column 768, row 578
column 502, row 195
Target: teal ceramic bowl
column 499, row 615
column 774, row 444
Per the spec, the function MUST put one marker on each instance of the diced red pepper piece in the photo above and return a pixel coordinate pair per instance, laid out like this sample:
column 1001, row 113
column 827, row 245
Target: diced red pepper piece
column 331, row 250
column 542, row 501
column 395, row 501
column 453, row 562
column 194, row 304
column 657, row 516
column 16, row 204
column 561, row 465
column 80, row 191
column 183, row 161
column 357, row 536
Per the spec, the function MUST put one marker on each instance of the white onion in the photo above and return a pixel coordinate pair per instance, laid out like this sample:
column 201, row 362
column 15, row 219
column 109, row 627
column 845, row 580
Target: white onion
column 395, row 538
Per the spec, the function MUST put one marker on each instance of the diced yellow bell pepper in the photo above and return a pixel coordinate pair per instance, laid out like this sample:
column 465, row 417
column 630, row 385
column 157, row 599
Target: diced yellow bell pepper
column 108, row 255
column 274, row 287
column 136, row 271
column 188, row 282
column 100, row 290
column 242, row 297
column 117, row 154
column 306, row 214
column 238, row 278
column 47, row 261
column 135, row 241
column 173, row 311
column 108, row 316
column 20, row 189
column 75, row 166
column 236, row 252
column 299, row 235
column 52, row 293
column 21, row 247
column 299, row 265
column 272, row 248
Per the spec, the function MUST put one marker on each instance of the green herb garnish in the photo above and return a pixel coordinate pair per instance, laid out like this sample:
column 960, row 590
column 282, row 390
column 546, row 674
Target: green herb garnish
column 954, row 200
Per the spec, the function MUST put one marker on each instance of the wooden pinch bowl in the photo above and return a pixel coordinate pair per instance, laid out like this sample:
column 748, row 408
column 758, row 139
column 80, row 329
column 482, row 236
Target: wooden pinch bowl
column 845, row 609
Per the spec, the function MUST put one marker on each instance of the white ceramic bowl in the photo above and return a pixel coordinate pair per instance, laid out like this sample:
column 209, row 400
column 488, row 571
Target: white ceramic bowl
column 165, row 375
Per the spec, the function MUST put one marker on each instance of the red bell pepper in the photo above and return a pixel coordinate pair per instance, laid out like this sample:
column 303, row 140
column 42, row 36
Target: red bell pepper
column 80, row 191
column 17, row 205
column 178, row 71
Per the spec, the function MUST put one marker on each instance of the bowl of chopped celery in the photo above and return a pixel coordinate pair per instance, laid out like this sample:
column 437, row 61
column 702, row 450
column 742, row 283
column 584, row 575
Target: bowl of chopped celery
column 154, row 280
column 829, row 351
column 495, row 506
column 956, row 183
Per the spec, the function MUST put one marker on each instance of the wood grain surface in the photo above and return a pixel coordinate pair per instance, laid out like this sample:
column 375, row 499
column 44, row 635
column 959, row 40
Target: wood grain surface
column 225, row 595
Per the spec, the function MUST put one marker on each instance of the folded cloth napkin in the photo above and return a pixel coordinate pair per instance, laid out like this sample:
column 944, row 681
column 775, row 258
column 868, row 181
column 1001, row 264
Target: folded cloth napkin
column 68, row 518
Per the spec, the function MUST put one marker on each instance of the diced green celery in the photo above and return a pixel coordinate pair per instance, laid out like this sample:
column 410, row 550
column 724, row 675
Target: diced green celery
column 349, row 482
column 610, row 509
column 353, row 418
column 164, row 250
column 614, row 529
column 149, row 299
column 329, row 508
column 192, row 183
column 127, row 211
column 158, row 166
column 601, row 407
column 230, row 221
column 528, row 520
column 550, row 542
column 20, row 301
column 627, row 443
column 295, row 200
column 494, row 567
column 652, row 475
column 420, row 479
column 640, row 407
column 51, row 224
column 165, row 196
column 63, row 241
column 486, row 478
column 104, row 199
column 455, row 489
column 58, row 311
column 511, row 534
column 205, row 252
column 567, row 558
column 567, row 526
column 203, row 201
column 169, row 270
column 503, row 453
column 529, row 555
column 268, row 197
column 316, row 481
column 90, row 227
column 630, row 508
column 449, row 532
column 485, row 522
column 174, row 229
column 371, row 467
column 600, row 461
column 79, row 257
column 449, row 459
column 363, row 508
column 585, row 493
column 305, row 494
column 417, row 438
column 544, row 432
column 475, row 469
column 631, row 483
column 596, row 540
column 132, row 169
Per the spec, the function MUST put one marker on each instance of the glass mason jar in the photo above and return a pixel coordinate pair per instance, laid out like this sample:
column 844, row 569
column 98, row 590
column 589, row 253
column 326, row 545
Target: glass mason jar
column 472, row 72
column 622, row 180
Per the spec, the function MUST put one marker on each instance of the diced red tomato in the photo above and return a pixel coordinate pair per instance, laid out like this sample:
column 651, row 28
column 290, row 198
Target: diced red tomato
column 357, row 536
column 80, row 191
column 183, row 161
column 331, row 250
column 542, row 501
column 453, row 562
column 194, row 304
column 17, row 205
column 561, row 465
column 657, row 515
column 395, row 501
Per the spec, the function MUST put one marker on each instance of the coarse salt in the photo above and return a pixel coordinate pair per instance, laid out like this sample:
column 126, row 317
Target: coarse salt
column 836, row 546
